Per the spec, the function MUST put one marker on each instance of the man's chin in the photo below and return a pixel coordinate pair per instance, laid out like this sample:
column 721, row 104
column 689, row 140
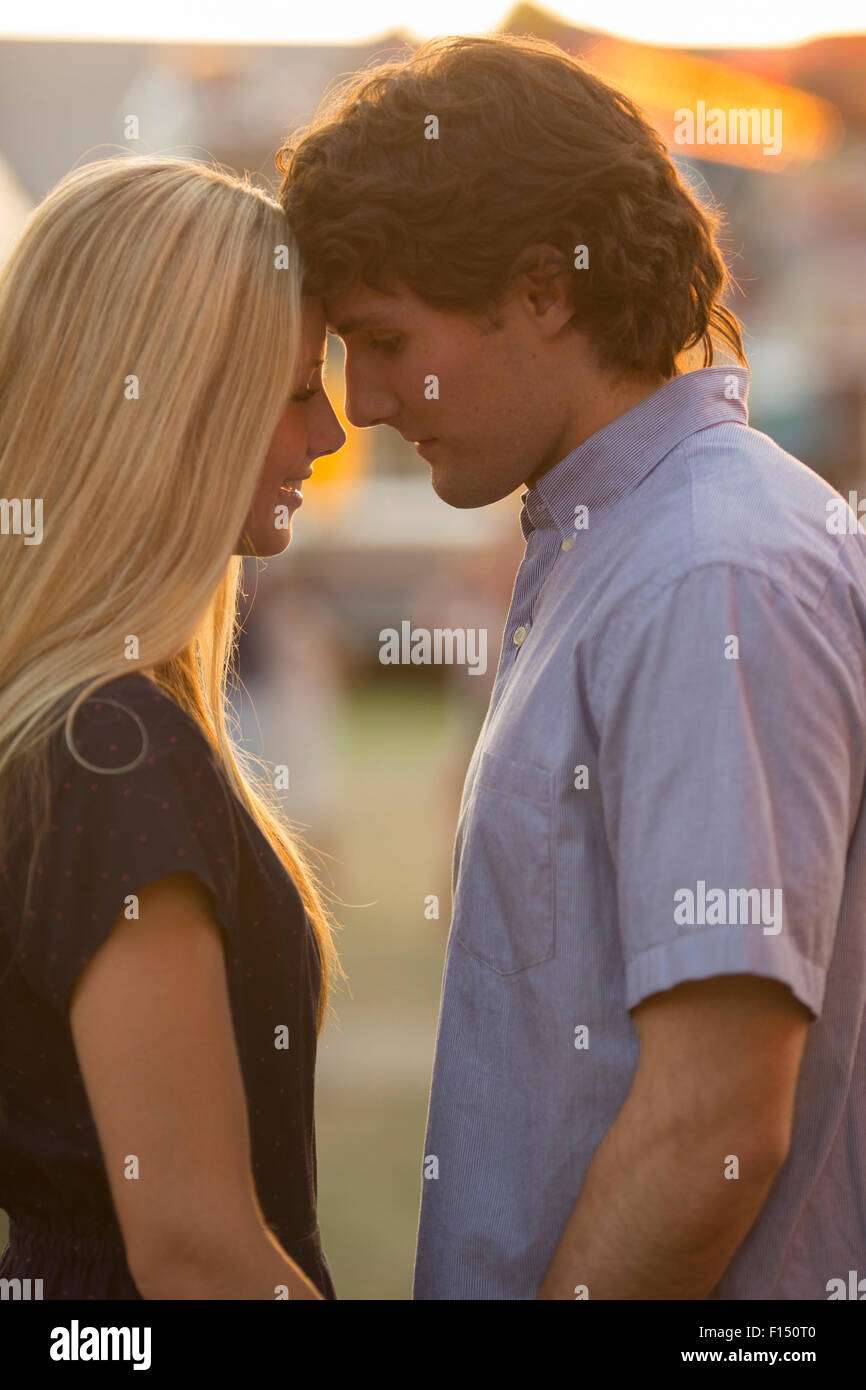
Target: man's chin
column 453, row 496
column 456, row 494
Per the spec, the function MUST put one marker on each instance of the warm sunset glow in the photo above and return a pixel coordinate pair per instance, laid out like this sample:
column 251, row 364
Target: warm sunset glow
column 678, row 22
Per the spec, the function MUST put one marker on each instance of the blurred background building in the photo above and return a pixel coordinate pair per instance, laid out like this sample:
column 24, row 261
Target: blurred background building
column 376, row 754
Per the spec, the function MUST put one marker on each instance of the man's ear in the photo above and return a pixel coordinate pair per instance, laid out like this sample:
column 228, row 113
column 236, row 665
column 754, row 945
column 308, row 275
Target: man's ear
column 542, row 275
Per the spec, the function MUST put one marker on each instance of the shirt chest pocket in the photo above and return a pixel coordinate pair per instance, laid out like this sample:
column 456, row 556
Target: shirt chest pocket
column 504, row 911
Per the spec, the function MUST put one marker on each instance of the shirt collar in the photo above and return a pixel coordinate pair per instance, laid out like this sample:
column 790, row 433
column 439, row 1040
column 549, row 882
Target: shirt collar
column 614, row 460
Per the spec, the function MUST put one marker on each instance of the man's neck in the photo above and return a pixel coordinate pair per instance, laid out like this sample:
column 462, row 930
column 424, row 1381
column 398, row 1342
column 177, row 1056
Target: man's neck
column 599, row 407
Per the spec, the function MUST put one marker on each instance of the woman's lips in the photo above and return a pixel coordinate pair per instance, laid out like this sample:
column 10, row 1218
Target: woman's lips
column 291, row 488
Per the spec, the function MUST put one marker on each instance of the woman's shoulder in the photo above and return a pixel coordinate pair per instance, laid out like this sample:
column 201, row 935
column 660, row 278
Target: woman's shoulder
column 134, row 764
column 137, row 795
column 130, row 719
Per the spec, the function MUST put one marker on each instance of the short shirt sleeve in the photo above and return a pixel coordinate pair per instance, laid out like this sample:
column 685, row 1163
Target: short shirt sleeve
column 113, row 831
column 731, row 762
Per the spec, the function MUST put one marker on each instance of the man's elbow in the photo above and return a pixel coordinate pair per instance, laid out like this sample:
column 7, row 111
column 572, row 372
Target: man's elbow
column 743, row 1151
column 718, row 1072
column 725, row 1141
column 762, row 1160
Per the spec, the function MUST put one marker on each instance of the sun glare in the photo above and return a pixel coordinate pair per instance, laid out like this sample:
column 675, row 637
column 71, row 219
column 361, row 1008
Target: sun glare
column 678, row 22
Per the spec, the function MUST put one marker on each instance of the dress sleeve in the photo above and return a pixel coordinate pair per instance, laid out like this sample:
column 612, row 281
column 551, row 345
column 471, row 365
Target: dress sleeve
column 732, row 751
column 112, row 831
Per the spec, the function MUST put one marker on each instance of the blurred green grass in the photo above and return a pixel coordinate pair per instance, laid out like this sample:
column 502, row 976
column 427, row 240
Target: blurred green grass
column 373, row 1072
column 400, row 768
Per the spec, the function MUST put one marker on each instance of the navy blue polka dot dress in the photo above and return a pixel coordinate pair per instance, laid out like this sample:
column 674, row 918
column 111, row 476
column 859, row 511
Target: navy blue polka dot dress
column 110, row 834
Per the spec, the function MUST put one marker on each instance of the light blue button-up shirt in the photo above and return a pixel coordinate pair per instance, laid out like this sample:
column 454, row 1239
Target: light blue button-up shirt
column 668, row 785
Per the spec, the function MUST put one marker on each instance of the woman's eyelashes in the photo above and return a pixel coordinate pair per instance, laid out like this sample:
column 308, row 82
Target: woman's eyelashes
column 310, row 391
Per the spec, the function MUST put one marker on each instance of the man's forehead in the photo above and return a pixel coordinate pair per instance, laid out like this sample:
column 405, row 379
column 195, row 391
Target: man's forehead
column 362, row 308
column 314, row 329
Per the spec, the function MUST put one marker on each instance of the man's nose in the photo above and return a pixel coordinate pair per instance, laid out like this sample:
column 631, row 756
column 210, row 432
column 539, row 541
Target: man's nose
column 337, row 436
column 368, row 405
column 330, row 437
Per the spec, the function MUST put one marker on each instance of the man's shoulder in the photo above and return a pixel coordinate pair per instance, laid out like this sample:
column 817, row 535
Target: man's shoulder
column 728, row 510
column 729, row 494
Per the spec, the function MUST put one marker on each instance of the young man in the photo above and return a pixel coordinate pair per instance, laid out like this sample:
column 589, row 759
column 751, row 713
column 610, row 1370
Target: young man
column 649, row 1067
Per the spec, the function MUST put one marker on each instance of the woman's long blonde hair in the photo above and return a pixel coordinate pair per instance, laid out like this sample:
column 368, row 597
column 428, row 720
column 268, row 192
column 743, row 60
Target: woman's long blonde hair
column 150, row 322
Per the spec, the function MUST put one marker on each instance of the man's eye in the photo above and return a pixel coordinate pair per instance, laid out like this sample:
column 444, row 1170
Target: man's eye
column 385, row 344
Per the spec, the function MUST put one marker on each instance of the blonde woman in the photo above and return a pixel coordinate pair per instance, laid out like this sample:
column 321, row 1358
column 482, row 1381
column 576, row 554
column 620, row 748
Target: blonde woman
column 165, row 952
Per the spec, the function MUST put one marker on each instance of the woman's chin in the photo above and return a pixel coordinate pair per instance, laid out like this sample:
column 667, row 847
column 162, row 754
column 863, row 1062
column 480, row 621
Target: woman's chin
column 265, row 545
column 276, row 544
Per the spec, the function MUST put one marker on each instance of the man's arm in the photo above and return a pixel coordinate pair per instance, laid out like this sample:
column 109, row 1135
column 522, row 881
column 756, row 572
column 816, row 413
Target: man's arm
column 656, row 1217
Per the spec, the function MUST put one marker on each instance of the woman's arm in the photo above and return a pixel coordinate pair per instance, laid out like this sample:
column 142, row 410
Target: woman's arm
column 152, row 1026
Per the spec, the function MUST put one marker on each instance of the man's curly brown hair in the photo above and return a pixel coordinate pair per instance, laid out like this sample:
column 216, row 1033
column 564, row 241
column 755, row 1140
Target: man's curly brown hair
column 532, row 149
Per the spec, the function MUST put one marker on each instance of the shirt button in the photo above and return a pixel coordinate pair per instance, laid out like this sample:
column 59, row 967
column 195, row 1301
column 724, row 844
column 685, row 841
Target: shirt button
column 567, row 543
column 520, row 635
